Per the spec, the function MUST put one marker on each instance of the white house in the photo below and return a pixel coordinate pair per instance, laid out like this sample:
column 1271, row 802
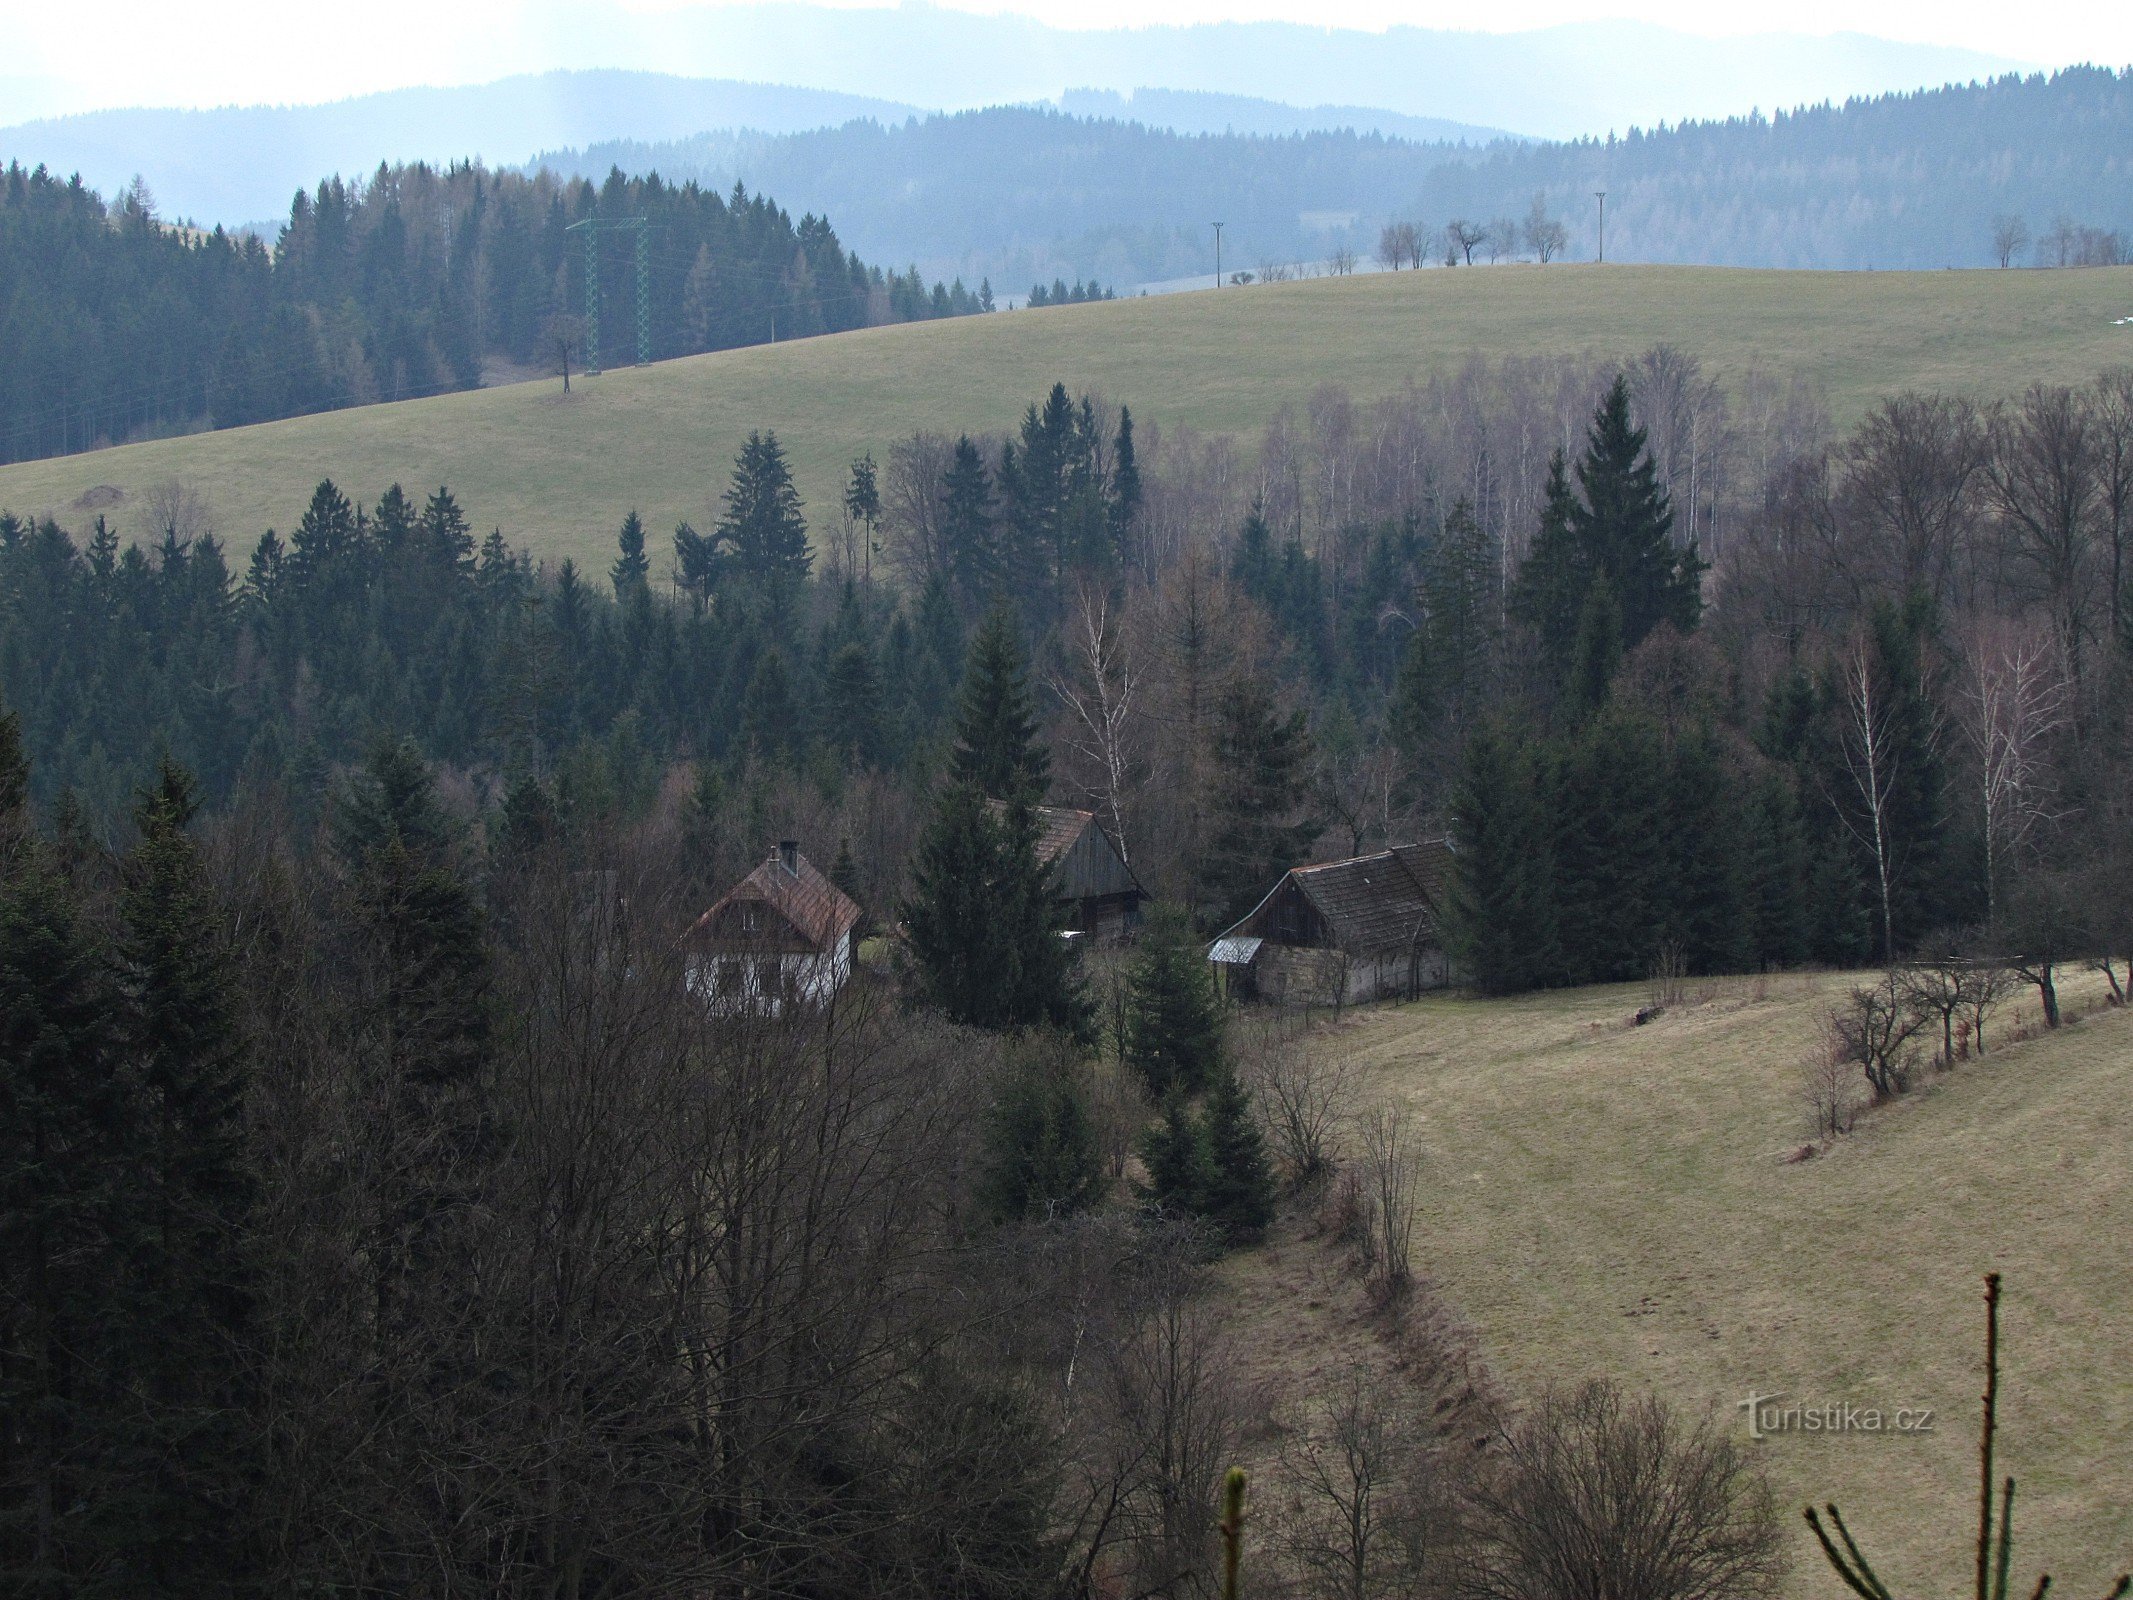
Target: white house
column 781, row 936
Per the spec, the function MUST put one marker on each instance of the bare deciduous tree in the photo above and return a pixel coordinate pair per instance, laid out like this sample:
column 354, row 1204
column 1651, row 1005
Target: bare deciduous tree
column 2043, row 471
column 2010, row 235
column 1867, row 746
column 1370, row 1511
column 1304, row 1090
column 914, row 480
column 1544, row 236
column 1100, row 691
column 1599, row 1494
column 1464, row 238
column 562, row 341
column 2015, row 698
column 1874, row 1030
column 1392, row 1179
column 1908, row 491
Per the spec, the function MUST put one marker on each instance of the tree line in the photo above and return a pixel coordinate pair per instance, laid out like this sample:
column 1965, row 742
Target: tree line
column 1892, row 181
column 120, row 325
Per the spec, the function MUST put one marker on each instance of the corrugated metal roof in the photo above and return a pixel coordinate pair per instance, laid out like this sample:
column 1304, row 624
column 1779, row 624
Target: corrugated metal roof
column 817, row 909
column 1235, row 950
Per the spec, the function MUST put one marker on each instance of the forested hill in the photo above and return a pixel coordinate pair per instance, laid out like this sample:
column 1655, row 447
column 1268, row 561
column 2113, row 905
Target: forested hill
column 116, row 326
column 1902, row 180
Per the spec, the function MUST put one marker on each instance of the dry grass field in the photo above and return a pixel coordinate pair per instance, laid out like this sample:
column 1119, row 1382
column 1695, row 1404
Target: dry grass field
column 557, row 473
column 1602, row 1199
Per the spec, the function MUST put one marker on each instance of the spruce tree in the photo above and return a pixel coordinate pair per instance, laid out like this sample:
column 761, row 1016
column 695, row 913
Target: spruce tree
column 984, row 923
column 1709, row 842
column 190, row 1277
column 1042, row 1160
column 631, row 572
column 851, row 706
column 1173, row 1029
column 762, row 524
column 1776, row 872
column 1239, row 1192
column 997, row 750
column 1597, row 653
column 969, row 535
column 418, row 956
column 1178, row 1159
column 1625, row 526
column 1261, row 824
column 62, row 1150
column 1126, row 491
column 1502, row 909
column 1549, row 596
column 770, row 714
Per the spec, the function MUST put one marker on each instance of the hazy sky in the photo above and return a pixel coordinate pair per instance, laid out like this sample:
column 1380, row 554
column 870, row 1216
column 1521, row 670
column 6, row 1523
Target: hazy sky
column 88, row 53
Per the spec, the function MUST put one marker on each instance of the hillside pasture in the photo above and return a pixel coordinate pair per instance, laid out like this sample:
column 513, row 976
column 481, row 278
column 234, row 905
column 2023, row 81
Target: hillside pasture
column 557, row 472
column 1603, row 1199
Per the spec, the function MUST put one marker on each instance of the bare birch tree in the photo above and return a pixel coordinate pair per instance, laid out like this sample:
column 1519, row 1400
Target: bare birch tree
column 2015, row 697
column 1099, row 690
column 1867, row 749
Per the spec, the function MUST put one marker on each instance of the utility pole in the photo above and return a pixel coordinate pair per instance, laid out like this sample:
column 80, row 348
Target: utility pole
column 1218, row 255
column 1601, row 196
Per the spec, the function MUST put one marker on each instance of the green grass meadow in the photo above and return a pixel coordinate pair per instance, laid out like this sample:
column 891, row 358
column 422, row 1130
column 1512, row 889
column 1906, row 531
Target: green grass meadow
column 557, row 473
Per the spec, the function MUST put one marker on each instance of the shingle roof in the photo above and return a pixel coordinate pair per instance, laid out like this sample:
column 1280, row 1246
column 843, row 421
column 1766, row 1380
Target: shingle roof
column 1386, row 901
column 1057, row 828
column 818, row 910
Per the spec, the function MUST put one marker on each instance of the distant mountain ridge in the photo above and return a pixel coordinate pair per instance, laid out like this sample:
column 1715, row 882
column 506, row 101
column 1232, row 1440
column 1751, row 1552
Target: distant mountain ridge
column 240, row 164
column 1202, row 111
column 1022, row 194
column 697, row 68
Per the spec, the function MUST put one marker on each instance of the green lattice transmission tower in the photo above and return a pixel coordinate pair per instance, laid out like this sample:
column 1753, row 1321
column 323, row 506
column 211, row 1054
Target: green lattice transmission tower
column 592, row 228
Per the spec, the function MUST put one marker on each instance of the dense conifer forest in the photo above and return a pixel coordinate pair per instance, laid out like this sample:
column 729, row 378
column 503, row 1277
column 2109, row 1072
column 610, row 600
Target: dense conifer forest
column 381, row 1211
column 118, row 325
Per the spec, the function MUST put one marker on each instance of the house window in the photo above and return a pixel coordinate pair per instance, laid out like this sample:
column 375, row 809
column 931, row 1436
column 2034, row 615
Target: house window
column 726, row 977
column 751, row 919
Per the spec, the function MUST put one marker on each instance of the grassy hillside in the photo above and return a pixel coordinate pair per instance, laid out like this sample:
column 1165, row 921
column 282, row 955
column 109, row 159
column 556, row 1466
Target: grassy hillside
column 557, row 473
column 1607, row 1199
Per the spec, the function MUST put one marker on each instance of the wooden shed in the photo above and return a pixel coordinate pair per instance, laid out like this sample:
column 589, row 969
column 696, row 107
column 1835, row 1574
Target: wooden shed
column 1344, row 932
column 1089, row 872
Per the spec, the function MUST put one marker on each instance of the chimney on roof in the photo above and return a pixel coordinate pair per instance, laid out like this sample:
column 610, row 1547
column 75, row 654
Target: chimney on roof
column 789, row 855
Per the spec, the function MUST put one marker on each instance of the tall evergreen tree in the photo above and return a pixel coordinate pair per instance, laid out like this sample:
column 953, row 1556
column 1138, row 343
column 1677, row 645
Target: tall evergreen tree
column 1239, row 1193
column 1625, row 525
column 984, row 921
column 631, row 571
column 1549, row 596
column 1173, row 1029
column 1261, row 822
column 420, row 964
column 969, row 534
column 1178, row 1158
column 61, row 1161
column 1042, row 1160
column 762, row 524
column 997, row 750
column 190, row 1279
column 1502, row 909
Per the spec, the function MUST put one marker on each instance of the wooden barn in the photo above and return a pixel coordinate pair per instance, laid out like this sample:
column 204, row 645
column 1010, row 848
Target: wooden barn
column 781, row 936
column 1091, row 875
column 1343, row 932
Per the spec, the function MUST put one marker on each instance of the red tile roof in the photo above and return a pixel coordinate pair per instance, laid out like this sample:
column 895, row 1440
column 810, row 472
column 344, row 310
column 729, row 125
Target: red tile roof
column 819, row 911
